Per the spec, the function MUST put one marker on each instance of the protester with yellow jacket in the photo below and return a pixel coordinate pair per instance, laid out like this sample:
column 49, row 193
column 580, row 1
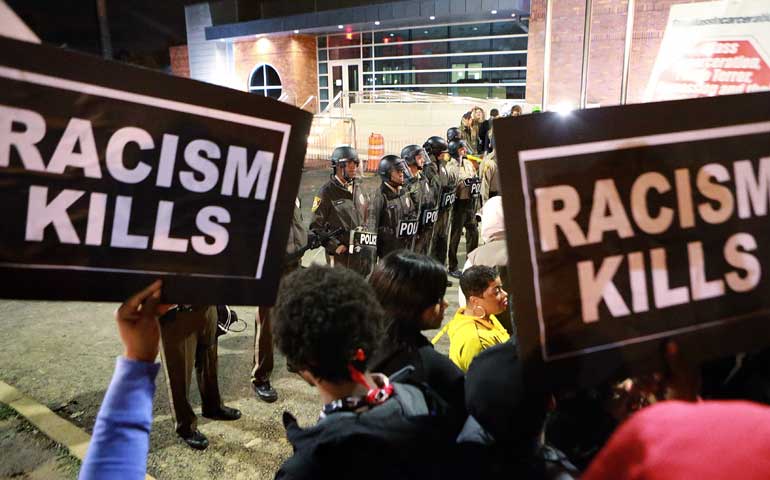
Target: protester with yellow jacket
column 475, row 328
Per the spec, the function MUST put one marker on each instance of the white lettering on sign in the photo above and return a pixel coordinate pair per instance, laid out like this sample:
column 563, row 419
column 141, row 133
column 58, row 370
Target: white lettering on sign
column 407, row 229
column 368, row 239
column 448, row 199
column 558, row 206
column 597, row 287
column 21, row 130
column 43, row 213
column 431, row 217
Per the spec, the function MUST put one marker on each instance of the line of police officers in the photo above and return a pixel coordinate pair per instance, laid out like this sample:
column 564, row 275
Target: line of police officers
column 428, row 195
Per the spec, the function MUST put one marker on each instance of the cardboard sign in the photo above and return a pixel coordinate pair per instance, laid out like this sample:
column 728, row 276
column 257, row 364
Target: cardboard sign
column 114, row 176
column 628, row 226
column 713, row 48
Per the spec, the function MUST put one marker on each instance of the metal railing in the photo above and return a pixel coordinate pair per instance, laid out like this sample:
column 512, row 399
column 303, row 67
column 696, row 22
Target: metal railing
column 343, row 100
column 311, row 98
column 335, row 125
column 326, row 133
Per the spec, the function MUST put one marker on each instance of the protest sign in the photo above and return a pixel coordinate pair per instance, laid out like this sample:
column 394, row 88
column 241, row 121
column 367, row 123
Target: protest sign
column 628, row 226
column 114, row 176
column 713, row 48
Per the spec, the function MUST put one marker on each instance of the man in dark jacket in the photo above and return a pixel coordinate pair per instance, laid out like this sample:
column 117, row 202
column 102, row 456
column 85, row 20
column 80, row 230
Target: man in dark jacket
column 446, row 184
column 504, row 433
column 425, row 194
column 262, row 364
column 464, row 211
column 328, row 324
column 342, row 205
column 394, row 207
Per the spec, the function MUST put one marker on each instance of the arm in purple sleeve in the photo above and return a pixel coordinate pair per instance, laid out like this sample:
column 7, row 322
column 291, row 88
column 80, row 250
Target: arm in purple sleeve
column 121, row 437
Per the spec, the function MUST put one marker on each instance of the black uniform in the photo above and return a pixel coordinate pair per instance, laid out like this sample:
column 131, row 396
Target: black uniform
column 397, row 215
column 346, row 207
column 425, row 194
column 445, row 184
column 464, row 211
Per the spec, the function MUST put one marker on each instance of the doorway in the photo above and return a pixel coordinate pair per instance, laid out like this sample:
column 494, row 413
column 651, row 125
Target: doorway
column 346, row 78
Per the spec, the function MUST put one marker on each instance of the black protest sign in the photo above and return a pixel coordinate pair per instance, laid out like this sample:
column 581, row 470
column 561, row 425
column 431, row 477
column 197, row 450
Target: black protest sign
column 114, row 176
column 628, row 226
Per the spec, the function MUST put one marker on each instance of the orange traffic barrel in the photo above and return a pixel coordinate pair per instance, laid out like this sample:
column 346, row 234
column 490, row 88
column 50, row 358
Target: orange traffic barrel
column 376, row 151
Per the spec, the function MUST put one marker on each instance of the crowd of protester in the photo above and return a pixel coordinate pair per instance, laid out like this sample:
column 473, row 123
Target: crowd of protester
column 391, row 406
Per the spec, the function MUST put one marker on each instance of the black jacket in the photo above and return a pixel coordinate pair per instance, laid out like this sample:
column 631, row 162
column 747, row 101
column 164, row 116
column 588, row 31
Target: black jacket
column 392, row 441
column 335, row 207
column 431, row 368
column 392, row 210
column 484, row 141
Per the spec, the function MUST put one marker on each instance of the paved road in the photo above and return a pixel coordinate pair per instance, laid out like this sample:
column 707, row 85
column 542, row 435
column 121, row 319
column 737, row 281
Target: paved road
column 63, row 354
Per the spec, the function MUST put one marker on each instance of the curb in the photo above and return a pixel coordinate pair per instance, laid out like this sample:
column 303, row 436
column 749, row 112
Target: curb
column 61, row 431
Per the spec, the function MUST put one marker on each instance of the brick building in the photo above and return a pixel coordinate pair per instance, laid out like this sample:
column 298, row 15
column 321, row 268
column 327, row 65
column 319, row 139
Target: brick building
column 472, row 48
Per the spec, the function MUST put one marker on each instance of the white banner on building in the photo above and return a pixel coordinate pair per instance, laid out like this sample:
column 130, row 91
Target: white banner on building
column 713, row 48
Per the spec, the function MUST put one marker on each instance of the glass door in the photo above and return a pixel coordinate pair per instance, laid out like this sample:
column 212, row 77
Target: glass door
column 346, row 78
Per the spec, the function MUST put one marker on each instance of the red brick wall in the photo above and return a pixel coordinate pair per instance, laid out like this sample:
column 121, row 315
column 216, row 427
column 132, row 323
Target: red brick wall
column 293, row 57
column 180, row 61
column 608, row 32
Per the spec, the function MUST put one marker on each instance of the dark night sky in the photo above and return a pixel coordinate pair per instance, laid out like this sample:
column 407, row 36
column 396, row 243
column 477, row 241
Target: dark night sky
column 141, row 30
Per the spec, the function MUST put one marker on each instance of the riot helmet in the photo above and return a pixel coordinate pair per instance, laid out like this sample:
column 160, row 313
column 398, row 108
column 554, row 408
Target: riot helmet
column 340, row 158
column 453, row 134
column 436, row 146
column 410, row 154
column 390, row 163
column 455, row 146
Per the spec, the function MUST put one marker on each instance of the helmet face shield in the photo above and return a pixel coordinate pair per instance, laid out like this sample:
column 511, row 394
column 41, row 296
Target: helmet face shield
column 345, row 162
column 401, row 166
column 425, row 158
column 399, row 173
column 351, row 168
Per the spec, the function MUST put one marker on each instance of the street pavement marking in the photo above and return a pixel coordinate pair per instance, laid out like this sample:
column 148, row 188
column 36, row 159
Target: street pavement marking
column 59, row 430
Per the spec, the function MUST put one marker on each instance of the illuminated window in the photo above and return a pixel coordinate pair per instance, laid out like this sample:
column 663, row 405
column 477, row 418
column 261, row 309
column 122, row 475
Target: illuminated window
column 265, row 81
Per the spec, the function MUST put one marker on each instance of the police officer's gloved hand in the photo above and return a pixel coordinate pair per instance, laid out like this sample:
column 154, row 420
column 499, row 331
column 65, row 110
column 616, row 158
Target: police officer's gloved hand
column 313, row 241
column 331, row 246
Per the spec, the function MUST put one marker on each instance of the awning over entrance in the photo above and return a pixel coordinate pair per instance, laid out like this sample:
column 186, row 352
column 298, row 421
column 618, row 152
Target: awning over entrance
column 389, row 15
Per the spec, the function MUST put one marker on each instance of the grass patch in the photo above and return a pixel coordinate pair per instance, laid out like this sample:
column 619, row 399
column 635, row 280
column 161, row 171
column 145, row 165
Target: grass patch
column 66, row 463
column 6, row 412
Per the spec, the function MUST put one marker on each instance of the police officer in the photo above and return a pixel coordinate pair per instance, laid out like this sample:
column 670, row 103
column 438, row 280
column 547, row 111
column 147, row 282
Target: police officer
column 396, row 210
column 424, row 194
column 464, row 212
column 490, row 177
column 262, row 364
column 343, row 205
column 446, row 186
column 188, row 335
column 452, row 134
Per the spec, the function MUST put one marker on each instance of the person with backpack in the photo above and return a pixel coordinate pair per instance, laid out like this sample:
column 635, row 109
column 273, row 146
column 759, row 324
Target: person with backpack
column 328, row 323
